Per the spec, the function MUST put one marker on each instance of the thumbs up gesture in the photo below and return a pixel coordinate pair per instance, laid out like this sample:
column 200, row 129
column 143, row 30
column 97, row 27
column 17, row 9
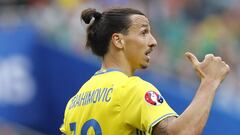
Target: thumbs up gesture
column 212, row 67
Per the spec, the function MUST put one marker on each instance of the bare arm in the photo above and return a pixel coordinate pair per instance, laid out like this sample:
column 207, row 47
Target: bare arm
column 162, row 127
column 192, row 121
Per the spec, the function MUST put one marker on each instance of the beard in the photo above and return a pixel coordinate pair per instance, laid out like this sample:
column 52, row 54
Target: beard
column 144, row 66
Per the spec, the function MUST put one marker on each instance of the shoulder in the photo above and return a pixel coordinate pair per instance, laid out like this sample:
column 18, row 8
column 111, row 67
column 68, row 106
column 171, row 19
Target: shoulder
column 139, row 83
column 137, row 87
column 109, row 76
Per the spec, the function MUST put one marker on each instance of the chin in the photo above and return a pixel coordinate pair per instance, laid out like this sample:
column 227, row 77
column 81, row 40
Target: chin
column 144, row 66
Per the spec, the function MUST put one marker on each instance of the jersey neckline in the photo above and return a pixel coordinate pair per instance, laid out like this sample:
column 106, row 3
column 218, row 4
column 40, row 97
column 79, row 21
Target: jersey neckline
column 103, row 71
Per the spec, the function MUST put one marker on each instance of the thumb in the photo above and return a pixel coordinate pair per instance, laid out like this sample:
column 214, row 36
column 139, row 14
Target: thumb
column 191, row 57
column 195, row 64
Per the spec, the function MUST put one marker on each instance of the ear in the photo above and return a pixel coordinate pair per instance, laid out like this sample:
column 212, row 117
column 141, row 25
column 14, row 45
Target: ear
column 118, row 41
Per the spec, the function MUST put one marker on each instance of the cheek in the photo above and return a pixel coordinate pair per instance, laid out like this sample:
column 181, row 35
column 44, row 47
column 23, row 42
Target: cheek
column 136, row 48
column 137, row 43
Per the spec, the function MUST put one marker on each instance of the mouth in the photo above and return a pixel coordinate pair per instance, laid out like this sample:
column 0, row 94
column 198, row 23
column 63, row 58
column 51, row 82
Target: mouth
column 147, row 53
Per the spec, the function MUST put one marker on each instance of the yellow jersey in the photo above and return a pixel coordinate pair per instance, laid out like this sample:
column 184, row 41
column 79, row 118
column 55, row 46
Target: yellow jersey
column 111, row 103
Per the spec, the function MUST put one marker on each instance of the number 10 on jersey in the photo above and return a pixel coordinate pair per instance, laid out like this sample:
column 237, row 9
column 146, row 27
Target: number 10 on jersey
column 90, row 123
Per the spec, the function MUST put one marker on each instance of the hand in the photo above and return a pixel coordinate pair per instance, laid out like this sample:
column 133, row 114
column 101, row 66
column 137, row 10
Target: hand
column 212, row 67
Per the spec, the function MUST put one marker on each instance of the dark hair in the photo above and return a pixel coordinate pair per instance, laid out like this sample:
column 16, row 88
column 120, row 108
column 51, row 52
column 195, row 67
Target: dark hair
column 112, row 21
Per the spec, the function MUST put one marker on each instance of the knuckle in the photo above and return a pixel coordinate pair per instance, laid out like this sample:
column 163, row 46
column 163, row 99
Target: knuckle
column 224, row 63
column 218, row 58
column 209, row 56
column 228, row 67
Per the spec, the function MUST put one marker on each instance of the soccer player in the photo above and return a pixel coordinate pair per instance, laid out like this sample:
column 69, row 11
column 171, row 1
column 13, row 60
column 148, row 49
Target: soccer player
column 115, row 102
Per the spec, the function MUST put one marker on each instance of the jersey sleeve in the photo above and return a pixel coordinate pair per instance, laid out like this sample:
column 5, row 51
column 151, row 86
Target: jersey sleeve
column 64, row 129
column 143, row 106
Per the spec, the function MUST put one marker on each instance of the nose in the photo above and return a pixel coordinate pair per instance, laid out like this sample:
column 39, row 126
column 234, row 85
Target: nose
column 153, row 42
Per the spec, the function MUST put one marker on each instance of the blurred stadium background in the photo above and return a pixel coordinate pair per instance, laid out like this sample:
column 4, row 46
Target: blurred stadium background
column 43, row 61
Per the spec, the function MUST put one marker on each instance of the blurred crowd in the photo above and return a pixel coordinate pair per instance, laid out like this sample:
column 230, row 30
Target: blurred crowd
column 198, row 26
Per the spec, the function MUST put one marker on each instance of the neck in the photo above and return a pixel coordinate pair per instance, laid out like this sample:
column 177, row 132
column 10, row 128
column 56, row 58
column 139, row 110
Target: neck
column 117, row 61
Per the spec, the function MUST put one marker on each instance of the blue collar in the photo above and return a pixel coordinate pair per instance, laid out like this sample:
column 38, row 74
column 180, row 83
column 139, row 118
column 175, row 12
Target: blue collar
column 102, row 71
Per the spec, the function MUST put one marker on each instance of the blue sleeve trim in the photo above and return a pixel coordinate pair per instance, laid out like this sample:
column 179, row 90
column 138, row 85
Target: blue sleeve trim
column 139, row 132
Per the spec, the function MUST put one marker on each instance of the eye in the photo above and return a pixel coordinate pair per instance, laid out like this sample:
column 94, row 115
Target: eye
column 144, row 32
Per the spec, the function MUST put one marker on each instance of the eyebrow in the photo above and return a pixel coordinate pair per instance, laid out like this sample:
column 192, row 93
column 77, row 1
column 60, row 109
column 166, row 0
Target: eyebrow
column 144, row 25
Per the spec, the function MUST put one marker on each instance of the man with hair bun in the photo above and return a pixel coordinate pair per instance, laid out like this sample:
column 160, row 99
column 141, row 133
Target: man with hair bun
column 115, row 102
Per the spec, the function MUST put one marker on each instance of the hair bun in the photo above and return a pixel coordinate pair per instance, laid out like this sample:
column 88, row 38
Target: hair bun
column 87, row 15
